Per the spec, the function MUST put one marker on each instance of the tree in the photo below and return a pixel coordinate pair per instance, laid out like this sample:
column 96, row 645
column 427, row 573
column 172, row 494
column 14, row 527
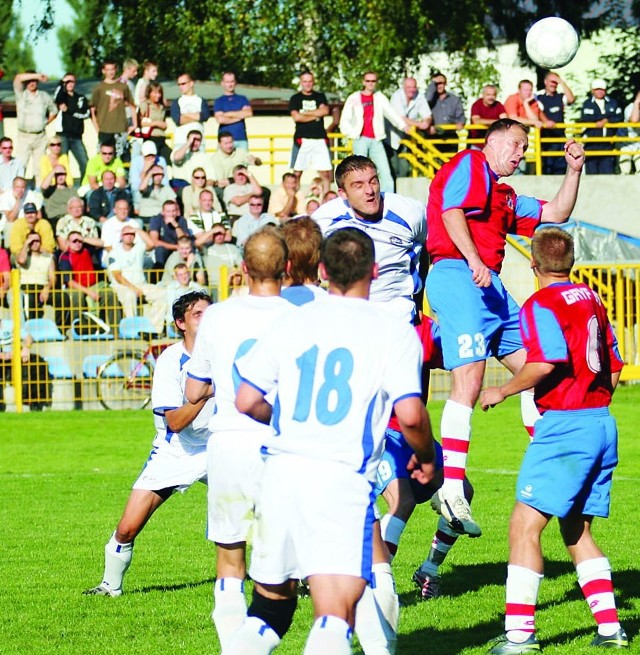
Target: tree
column 16, row 54
column 270, row 41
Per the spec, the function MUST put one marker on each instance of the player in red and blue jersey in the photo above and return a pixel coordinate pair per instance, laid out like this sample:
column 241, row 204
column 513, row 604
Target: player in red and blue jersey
column 573, row 364
column 469, row 214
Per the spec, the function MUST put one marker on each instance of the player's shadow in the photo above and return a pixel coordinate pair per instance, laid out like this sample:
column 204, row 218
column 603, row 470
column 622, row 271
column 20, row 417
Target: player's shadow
column 172, row 587
column 464, row 579
column 473, row 578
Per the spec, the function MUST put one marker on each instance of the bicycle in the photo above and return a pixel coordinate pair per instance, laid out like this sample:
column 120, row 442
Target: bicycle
column 124, row 380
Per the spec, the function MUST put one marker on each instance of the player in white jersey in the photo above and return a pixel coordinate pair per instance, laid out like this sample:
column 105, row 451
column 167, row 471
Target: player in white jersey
column 228, row 331
column 178, row 456
column 378, row 610
column 396, row 224
column 336, row 372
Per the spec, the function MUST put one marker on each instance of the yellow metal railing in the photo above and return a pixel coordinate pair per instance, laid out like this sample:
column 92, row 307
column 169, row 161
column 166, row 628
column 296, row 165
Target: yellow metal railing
column 71, row 362
column 426, row 158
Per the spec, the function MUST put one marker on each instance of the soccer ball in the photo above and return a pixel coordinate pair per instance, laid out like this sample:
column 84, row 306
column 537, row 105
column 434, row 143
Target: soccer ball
column 552, row 42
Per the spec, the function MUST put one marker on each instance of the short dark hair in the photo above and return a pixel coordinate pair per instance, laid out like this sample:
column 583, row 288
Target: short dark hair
column 350, row 164
column 185, row 302
column 504, row 125
column 552, row 250
column 348, row 255
column 223, row 134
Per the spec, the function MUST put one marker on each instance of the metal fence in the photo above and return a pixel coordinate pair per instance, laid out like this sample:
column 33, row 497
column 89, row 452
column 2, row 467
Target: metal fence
column 74, row 355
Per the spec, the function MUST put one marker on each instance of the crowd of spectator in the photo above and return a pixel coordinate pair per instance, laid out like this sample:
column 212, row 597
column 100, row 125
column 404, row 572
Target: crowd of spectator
column 143, row 223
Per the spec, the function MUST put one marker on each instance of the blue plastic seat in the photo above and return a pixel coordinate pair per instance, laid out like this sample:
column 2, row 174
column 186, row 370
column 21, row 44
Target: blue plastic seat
column 43, row 329
column 91, row 364
column 59, row 369
column 96, row 336
column 133, row 327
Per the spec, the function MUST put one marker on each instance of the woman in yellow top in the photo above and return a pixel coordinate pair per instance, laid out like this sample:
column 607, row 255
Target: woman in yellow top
column 50, row 160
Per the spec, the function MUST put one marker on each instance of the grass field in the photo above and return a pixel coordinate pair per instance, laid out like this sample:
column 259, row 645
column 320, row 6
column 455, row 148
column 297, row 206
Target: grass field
column 65, row 478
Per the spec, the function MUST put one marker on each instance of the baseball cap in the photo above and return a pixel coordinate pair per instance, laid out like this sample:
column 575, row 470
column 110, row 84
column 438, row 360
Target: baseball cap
column 149, row 148
column 59, row 169
column 599, row 83
column 127, row 229
column 30, row 208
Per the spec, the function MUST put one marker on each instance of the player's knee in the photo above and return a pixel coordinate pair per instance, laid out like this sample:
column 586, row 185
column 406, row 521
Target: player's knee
column 277, row 614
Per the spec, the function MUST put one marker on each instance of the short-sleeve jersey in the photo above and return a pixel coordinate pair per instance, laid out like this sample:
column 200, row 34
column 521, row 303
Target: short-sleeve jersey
column 169, row 378
column 398, row 238
column 336, row 379
column 303, row 102
column 227, row 331
column 492, row 209
column 567, row 325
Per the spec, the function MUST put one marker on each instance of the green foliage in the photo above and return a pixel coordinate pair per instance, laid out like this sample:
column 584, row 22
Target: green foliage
column 624, row 61
column 16, row 53
column 65, row 480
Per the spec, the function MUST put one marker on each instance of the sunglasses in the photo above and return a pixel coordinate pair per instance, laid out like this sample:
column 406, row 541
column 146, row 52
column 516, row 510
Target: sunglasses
column 55, row 143
column 107, row 152
column 199, row 177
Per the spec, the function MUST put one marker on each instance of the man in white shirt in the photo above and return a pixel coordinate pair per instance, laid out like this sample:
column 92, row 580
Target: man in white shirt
column 362, row 120
column 126, row 266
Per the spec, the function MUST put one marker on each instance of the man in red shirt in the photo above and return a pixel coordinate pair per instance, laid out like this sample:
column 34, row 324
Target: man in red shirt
column 85, row 290
column 486, row 110
column 573, row 363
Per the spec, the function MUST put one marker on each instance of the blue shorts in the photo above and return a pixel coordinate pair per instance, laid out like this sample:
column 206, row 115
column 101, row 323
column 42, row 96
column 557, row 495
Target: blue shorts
column 393, row 465
column 569, row 464
column 475, row 323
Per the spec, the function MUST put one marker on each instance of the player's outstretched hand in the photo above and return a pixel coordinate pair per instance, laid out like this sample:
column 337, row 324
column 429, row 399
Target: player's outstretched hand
column 490, row 397
column 423, row 473
column 574, row 155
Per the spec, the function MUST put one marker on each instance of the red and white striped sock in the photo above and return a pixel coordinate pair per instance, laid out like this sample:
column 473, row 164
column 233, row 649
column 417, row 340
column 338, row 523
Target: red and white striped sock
column 455, row 430
column 594, row 578
column 522, row 595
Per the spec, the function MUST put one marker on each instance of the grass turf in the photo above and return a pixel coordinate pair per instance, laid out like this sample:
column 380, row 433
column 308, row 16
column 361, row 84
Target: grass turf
column 65, row 479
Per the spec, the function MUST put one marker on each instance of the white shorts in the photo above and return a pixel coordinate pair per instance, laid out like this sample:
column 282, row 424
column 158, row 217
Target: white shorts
column 313, row 517
column 235, row 465
column 313, row 154
column 173, row 464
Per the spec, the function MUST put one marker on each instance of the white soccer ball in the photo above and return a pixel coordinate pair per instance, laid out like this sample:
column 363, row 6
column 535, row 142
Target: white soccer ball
column 552, row 42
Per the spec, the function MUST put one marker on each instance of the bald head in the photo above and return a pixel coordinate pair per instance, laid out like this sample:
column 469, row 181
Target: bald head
column 265, row 254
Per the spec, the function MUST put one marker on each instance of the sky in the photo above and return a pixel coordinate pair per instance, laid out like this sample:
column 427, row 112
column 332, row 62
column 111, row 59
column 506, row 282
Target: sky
column 46, row 50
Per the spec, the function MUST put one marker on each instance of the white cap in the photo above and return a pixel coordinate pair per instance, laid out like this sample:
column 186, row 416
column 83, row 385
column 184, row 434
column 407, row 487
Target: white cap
column 149, row 148
column 599, row 83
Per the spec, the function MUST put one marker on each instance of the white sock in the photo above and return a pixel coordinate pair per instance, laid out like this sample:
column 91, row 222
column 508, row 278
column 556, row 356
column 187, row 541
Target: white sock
column 117, row 558
column 455, row 431
column 377, row 614
column 521, row 598
column 392, row 528
column 384, row 591
column 329, row 636
column 229, row 608
column 253, row 637
column 528, row 411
